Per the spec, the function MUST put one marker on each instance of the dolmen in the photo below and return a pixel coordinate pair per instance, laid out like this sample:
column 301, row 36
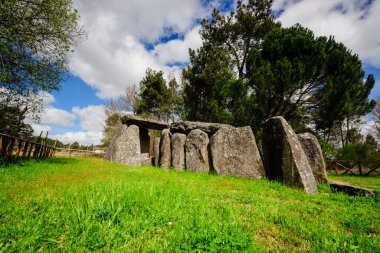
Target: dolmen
column 295, row 160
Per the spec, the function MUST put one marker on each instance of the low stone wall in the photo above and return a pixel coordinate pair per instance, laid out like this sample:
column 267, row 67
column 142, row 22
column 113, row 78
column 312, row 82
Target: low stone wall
column 225, row 150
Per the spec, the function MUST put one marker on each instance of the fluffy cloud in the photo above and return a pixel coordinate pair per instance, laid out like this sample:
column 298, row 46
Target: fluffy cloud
column 177, row 51
column 89, row 122
column 351, row 22
column 91, row 118
column 125, row 38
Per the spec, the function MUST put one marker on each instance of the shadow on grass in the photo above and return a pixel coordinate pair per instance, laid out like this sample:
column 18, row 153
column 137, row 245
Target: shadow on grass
column 12, row 161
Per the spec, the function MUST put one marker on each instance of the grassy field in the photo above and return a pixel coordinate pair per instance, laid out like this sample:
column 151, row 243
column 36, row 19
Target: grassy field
column 371, row 182
column 86, row 205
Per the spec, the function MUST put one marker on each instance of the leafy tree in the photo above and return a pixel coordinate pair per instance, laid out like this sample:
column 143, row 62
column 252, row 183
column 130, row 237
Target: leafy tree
column 14, row 109
column 214, row 82
column 112, row 124
column 371, row 141
column 36, row 37
column 154, row 95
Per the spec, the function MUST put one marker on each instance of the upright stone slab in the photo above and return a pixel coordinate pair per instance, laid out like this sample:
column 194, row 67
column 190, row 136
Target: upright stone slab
column 284, row 157
column 234, row 152
column 313, row 152
column 165, row 151
column 196, row 148
column 125, row 146
column 156, row 151
column 178, row 151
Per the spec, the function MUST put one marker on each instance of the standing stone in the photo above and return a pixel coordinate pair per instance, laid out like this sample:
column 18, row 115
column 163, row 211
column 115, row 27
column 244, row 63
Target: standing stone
column 313, row 152
column 125, row 146
column 196, row 148
column 165, row 151
column 284, row 157
column 156, row 151
column 178, row 151
column 234, row 152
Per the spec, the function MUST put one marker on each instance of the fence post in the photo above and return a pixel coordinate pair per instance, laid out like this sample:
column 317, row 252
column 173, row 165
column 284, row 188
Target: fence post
column 25, row 149
column 69, row 150
column 32, row 145
column 19, row 146
column 10, row 147
column 4, row 144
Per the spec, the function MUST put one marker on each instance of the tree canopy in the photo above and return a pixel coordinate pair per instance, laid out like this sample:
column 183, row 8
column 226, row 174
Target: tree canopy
column 250, row 69
column 36, row 38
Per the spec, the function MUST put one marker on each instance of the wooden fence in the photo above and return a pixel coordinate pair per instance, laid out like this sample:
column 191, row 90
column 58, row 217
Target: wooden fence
column 78, row 152
column 343, row 167
column 10, row 145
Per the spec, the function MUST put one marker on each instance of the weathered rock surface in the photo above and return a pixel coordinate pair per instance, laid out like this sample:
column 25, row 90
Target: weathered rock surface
column 187, row 126
column 130, row 119
column 178, row 151
column 314, row 154
column 125, row 146
column 156, row 151
column 351, row 190
column 165, row 150
column 234, row 152
column 284, row 157
column 145, row 159
column 196, row 148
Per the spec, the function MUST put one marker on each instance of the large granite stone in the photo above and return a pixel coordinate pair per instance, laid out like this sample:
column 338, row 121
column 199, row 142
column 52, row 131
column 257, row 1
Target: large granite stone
column 124, row 147
column 313, row 152
column 284, row 157
column 187, row 126
column 156, row 151
column 234, row 152
column 178, row 151
column 165, row 150
column 130, row 119
column 196, row 148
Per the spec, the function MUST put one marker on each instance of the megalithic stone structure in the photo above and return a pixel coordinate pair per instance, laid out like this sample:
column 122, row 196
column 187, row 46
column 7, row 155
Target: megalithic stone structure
column 284, row 157
column 235, row 153
column 196, row 148
column 314, row 154
column 165, row 149
column 178, row 151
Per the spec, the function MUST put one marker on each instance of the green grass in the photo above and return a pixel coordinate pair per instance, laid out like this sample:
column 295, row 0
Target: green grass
column 86, row 205
column 371, row 182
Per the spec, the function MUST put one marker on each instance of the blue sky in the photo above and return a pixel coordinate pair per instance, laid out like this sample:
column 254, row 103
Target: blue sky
column 126, row 37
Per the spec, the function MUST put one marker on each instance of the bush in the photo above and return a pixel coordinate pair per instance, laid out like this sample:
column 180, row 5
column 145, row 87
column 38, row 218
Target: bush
column 357, row 152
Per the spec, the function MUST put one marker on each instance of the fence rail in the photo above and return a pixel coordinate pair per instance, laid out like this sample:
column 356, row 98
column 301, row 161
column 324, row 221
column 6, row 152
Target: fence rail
column 79, row 152
column 352, row 167
column 18, row 147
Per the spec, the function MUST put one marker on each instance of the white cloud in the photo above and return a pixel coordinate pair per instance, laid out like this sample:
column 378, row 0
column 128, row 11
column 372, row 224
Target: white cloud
column 177, row 51
column 56, row 117
column 82, row 137
column 37, row 128
column 115, row 54
column 352, row 22
column 91, row 118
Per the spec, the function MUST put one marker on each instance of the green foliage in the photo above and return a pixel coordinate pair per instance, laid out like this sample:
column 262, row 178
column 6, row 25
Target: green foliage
column 80, row 205
column 249, row 69
column 35, row 39
column 156, row 98
column 112, row 124
column 357, row 152
column 154, row 95
column 214, row 87
column 328, row 150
